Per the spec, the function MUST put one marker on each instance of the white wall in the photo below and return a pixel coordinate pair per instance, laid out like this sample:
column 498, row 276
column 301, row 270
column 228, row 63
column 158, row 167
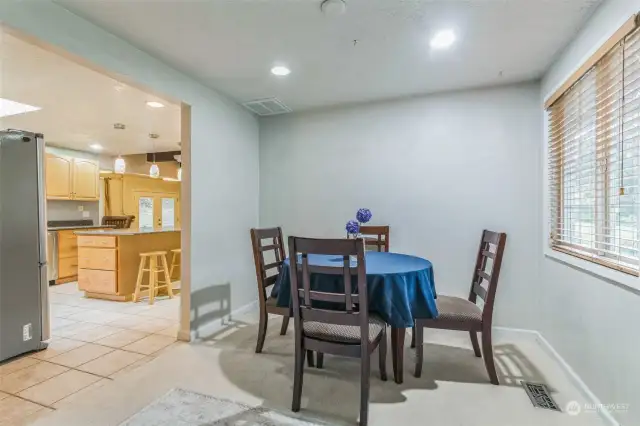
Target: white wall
column 590, row 321
column 224, row 152
column 437, row 169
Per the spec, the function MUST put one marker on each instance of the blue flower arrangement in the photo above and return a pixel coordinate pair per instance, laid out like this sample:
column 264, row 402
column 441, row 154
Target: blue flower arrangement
column 363, row 215
column 353, row 226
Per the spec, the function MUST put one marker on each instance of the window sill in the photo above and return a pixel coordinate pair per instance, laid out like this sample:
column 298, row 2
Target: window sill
column 626, row 281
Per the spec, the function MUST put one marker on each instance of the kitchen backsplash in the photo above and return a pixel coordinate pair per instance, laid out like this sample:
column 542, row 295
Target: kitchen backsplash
column 68, row 210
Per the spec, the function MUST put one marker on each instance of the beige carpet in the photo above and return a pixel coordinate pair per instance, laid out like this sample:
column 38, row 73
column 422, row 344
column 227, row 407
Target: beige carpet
column 454, row 388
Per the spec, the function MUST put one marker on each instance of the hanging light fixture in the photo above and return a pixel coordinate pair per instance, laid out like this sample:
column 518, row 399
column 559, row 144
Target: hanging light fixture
column 154, row 171
column 119, row 166
column 180, row 173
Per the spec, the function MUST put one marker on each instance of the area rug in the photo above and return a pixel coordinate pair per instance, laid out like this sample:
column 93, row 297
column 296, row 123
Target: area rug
column 180, row 407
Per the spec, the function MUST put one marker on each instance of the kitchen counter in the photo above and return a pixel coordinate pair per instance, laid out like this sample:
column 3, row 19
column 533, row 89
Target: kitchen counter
column 109, row 259
column 125, row 232
column 66, row 228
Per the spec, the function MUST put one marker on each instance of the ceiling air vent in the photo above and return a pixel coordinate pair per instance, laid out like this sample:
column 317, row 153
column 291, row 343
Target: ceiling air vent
column 271, row 106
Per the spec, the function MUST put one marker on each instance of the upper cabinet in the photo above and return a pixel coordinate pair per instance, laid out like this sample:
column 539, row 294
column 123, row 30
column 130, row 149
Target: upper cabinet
column 58, row 179
column 70, row 178
column 86, row 178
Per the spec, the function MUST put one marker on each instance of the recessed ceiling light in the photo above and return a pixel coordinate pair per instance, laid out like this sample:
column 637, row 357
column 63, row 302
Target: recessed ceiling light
column 8, row 108
column 443, row 39
column 154, row 104
column 280, row 71
column 96, row 147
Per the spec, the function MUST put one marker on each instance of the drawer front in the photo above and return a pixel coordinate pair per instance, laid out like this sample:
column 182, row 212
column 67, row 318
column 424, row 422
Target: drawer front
column 97, row 258
column 95, row 281
column 96, row 241
column 67, row 267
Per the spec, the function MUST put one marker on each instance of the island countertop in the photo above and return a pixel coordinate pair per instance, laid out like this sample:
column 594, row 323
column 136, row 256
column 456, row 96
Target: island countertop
column 81, row 227
column 126, row 232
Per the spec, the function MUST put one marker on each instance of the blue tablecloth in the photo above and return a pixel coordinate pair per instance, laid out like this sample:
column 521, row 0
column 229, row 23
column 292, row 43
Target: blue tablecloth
column 400, row 287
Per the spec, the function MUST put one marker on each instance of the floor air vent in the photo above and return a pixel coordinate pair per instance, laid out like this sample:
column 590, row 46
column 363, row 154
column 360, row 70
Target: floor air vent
column 271, row 106
column 540, row 396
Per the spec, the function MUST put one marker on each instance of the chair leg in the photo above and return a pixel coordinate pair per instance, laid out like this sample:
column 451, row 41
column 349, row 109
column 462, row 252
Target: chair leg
column 285, row 325
column 320, row 360
column 262, row 328
column 487, row 354
column 310, row 359
column 153, row 279
column 382, row 356
column 413, row 337
column 474, row 342
column 167, row 276
column 297, row 378
column 136, row 294
column 364, row 388
column 419, row 350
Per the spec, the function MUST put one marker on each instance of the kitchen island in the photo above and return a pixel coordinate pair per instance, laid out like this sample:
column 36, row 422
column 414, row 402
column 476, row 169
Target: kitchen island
column 108, row 259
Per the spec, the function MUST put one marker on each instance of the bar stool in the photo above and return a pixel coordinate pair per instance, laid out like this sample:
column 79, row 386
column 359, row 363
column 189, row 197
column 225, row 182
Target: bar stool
column 176, row 260
column 154, row 267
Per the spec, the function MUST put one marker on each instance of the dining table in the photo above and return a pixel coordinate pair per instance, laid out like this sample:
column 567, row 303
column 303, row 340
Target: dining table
column 400, row 288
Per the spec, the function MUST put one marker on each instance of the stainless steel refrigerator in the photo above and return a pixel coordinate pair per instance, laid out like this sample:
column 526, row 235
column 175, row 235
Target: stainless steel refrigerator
column 24, row 289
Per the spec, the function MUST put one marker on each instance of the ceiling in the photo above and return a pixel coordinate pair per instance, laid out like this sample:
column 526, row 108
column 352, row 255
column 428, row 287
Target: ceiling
column 232, row 45
column 79, row 106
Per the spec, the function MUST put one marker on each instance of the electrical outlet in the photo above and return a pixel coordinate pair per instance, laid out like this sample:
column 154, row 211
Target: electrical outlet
column 27, row 332
column 80, row 208
column 86, row 214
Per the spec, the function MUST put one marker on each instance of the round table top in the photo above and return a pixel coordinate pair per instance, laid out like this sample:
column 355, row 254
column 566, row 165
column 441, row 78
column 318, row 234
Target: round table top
column 377, row 263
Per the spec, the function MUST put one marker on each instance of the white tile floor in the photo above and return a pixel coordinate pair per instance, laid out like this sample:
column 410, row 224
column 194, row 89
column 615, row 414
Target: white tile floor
column 93, row 341
column 453, row 391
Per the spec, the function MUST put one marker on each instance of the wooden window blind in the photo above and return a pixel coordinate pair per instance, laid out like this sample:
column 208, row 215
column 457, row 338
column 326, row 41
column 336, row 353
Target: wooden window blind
column 594, row 161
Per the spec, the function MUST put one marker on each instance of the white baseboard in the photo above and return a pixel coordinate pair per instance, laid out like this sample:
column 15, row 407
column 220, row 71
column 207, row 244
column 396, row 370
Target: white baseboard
column 218, row 324
column 574, row 378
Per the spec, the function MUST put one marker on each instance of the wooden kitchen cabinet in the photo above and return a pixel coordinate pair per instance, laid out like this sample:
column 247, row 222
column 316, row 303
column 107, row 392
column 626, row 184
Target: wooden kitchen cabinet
column 69, row 178
column 58, row 178
column 86, row 178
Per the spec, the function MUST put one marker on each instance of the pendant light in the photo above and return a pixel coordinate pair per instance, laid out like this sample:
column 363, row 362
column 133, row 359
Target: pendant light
column 154, row 171
column 119, row 166
column 180, row 173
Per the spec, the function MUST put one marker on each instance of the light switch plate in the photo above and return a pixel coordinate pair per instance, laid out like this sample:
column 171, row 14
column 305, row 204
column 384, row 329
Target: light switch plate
column 86, row 214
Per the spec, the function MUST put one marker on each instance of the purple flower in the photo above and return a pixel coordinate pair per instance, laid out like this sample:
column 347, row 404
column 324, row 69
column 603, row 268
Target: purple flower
column 353, row 227
column 363, row 215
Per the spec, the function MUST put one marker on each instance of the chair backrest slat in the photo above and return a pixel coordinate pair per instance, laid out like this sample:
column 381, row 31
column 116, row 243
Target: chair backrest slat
column 306, row 277
column 381, row 239
column 487, row 269
column 340, row 309
column 275, row 245
column 329, row 317
column 326, row 297
column 481, row 292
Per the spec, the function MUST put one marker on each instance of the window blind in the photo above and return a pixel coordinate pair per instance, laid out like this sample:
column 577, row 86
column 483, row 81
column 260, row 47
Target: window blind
column 594, row 161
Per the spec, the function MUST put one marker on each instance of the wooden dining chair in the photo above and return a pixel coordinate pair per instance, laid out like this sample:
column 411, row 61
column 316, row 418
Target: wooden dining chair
column 377, row 236
column 267, row 275
column 456, row 313
column 345, row 330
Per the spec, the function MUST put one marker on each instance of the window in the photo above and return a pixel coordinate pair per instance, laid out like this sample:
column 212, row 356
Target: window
column 594, row 160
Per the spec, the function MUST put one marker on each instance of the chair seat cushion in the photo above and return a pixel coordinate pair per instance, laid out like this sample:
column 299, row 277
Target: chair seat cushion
column 342, row 333
column 457, row 309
